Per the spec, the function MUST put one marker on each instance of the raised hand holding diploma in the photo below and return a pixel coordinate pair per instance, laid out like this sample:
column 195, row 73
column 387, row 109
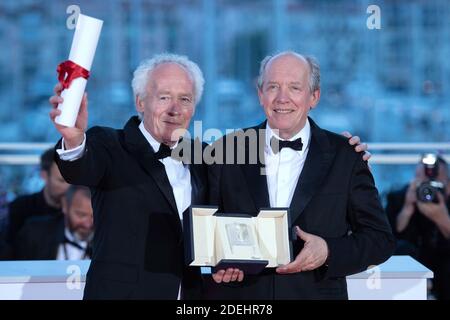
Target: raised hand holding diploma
column 73, row 136
column 74, row 72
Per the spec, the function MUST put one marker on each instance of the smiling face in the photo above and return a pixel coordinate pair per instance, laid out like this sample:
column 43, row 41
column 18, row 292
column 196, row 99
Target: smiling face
column 168, row 104
column 285, row 94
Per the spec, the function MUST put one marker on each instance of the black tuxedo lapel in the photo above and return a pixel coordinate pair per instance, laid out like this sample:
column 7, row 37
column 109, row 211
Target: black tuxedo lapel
column 136, row 143
column 257, row 184
column 198, row 192
column 158, row 172
column 256, row 181
column 196, row 186
column 319, row 159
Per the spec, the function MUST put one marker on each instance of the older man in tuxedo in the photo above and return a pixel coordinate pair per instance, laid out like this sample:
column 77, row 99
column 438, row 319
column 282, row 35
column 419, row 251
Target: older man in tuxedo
column 139, row 192
column 334, row 204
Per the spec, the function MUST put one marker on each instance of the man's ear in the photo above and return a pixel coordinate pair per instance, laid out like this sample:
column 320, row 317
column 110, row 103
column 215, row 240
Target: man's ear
column 139, row 104
column 315, row 97
column 260, row 95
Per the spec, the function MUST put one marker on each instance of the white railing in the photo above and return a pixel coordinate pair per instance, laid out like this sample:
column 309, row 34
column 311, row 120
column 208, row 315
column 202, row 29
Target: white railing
column 15, row 153
column 402, row 153
column 413, row 155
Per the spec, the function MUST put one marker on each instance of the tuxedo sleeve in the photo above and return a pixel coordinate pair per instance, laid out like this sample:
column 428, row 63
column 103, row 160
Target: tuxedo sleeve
column 370, row 241
column 91, row 167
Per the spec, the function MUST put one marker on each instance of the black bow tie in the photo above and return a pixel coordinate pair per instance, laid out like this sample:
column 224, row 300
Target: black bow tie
column 295, row 145
column 163, row 152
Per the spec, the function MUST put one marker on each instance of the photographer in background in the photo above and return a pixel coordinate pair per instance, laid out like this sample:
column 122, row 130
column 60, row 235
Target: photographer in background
column 419, row 215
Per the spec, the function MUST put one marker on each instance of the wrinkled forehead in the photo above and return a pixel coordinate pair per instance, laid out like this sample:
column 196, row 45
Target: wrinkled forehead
column 286, row 65
column 170, row 70
column 170, row 77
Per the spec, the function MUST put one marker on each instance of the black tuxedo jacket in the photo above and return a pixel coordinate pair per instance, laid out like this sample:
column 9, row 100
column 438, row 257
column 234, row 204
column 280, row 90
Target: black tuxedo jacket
column 335, row 198
column 138, row 242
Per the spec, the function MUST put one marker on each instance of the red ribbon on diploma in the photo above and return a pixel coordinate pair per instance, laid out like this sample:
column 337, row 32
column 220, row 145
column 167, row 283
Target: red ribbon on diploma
column 69, row 71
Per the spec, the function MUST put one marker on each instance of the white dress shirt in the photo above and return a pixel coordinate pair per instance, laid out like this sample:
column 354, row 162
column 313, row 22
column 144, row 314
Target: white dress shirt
column 71, row 154
column 67, row 251
column 178, row 174
column 284, row 168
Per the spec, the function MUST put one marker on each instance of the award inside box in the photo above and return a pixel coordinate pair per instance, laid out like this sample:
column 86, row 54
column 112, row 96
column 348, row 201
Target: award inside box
column 225, row 240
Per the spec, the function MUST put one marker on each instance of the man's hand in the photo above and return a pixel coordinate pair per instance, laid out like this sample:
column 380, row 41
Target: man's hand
column 73, row 137
column 433, row 211
column 359, row 147
column 229, row 275
column 313, row 255
column 438, row 213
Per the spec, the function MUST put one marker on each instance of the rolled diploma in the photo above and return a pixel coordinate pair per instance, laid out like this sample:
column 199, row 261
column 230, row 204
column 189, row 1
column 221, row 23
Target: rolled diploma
column 82, row 53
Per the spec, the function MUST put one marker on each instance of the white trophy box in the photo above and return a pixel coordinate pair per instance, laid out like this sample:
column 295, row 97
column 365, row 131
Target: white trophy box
column 226, row 240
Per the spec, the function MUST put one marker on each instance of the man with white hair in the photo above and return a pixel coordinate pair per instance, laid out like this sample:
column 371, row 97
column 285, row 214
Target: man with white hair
column 334, row 205
column 139, row 192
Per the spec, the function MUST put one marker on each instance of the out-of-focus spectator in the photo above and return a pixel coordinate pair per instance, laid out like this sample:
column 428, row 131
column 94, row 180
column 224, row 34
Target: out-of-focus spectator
column 47, row 202
column 423, row 227
column 65, row 237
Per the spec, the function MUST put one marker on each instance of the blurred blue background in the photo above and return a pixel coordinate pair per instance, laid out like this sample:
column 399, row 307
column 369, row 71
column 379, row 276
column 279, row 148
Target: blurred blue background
column 385, row 85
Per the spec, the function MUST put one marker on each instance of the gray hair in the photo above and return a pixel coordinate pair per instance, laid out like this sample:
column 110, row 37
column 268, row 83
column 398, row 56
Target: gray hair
column 314, row 69
column 140, row 75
